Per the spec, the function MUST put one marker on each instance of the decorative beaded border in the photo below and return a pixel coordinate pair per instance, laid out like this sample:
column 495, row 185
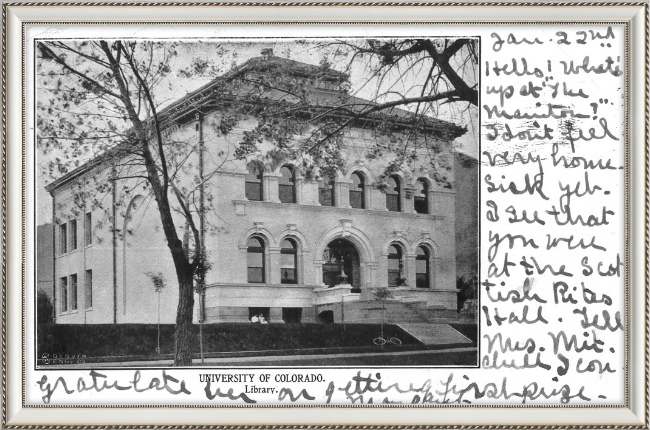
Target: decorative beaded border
column 328, row 3
column 3, row 215
column 340, row 4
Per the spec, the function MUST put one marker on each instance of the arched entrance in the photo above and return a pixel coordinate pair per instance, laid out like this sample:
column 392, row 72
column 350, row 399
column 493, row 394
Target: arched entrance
column 326, row 317
column 341, row 264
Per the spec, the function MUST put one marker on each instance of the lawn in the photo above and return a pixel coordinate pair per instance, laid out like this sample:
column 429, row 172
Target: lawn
column 139, row 341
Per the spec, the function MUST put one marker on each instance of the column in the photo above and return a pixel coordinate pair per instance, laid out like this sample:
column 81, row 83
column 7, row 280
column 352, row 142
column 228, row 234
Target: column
column 271, row 192
column 299, row 190
column 432, row 206
column 310, row 192
column 342, row 193
column 370, row 196
column 273, row 275
column 318, row 273
column 369, row 280
column 275, row 316
column 435, row 270
column 408, row 202
column 409, row 270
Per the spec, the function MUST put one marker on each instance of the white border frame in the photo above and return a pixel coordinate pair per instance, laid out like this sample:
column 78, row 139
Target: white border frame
column 636, row 14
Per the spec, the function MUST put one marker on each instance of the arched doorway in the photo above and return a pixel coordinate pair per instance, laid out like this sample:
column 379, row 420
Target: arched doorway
column 341, row 264
column 326, row 317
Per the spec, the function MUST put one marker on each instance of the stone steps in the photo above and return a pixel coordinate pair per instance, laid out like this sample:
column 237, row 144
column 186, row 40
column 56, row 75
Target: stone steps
column 406, row 310
column 435, row 334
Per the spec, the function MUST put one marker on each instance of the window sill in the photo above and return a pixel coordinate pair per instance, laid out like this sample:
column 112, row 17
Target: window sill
column 68, row 313
column 68, row 253
column 343, row 209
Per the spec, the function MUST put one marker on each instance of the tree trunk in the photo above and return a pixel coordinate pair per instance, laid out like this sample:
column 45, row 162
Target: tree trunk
column 184, row 313
column 158, row 349
column 383, row 317
column 201, row 341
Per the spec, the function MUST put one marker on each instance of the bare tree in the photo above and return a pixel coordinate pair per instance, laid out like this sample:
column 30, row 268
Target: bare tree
column 449, row 68
column 103, row 101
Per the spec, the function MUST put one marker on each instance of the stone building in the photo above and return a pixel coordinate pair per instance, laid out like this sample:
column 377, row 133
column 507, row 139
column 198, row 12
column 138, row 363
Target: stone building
column 44, row 256
column 467, row 189
column 282, row 242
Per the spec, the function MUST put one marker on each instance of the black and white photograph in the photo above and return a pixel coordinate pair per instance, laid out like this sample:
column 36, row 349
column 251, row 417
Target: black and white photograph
column 266, row 202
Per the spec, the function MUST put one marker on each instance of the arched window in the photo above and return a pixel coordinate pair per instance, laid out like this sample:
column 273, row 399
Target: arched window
column 393, row 194
column 287, row 185
column 326, row 191
column 357, row 191
column 254, row 183
column 288, row 262
column 395, row 266
column 421, row 197
column 255, row 260
column 422, row 271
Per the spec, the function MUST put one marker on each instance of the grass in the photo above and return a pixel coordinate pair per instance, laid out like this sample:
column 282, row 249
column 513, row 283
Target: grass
column 139, row 341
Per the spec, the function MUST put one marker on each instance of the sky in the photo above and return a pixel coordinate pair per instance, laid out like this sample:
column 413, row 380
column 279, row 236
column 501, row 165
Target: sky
column 225, row 55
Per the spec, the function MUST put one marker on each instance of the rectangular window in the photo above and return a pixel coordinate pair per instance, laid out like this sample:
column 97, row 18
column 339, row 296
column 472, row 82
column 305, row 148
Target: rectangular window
column 288, row 276
column 326, row 196
column 73, row 234
column 292, row 315
column 255, row 275
column 288, row 268
column 356, row 199
column 393, row 278
column 63, row 282
column 255, row 267
column 420, row 204
column 421, row 273
column 286, row 194
column 254, row 191
column 63, row 239
column 259, row 315
column 393, row 272
column 392, row 202
column 88, row 229
column 73, row 292
column 89, row 289
column 421, row 280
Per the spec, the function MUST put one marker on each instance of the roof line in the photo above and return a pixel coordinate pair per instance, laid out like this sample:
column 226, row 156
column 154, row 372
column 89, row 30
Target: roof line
column 166, row 116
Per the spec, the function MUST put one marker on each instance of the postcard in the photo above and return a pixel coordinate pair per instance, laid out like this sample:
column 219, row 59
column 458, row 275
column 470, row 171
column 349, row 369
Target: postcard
column 311, row 215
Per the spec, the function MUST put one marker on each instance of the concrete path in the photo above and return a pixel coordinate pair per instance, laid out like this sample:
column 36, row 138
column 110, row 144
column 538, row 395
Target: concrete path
column 259, row 361
column 435, row 334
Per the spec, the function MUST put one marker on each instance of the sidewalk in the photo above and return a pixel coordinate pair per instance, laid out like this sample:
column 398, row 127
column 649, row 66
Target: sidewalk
column 283, row 360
